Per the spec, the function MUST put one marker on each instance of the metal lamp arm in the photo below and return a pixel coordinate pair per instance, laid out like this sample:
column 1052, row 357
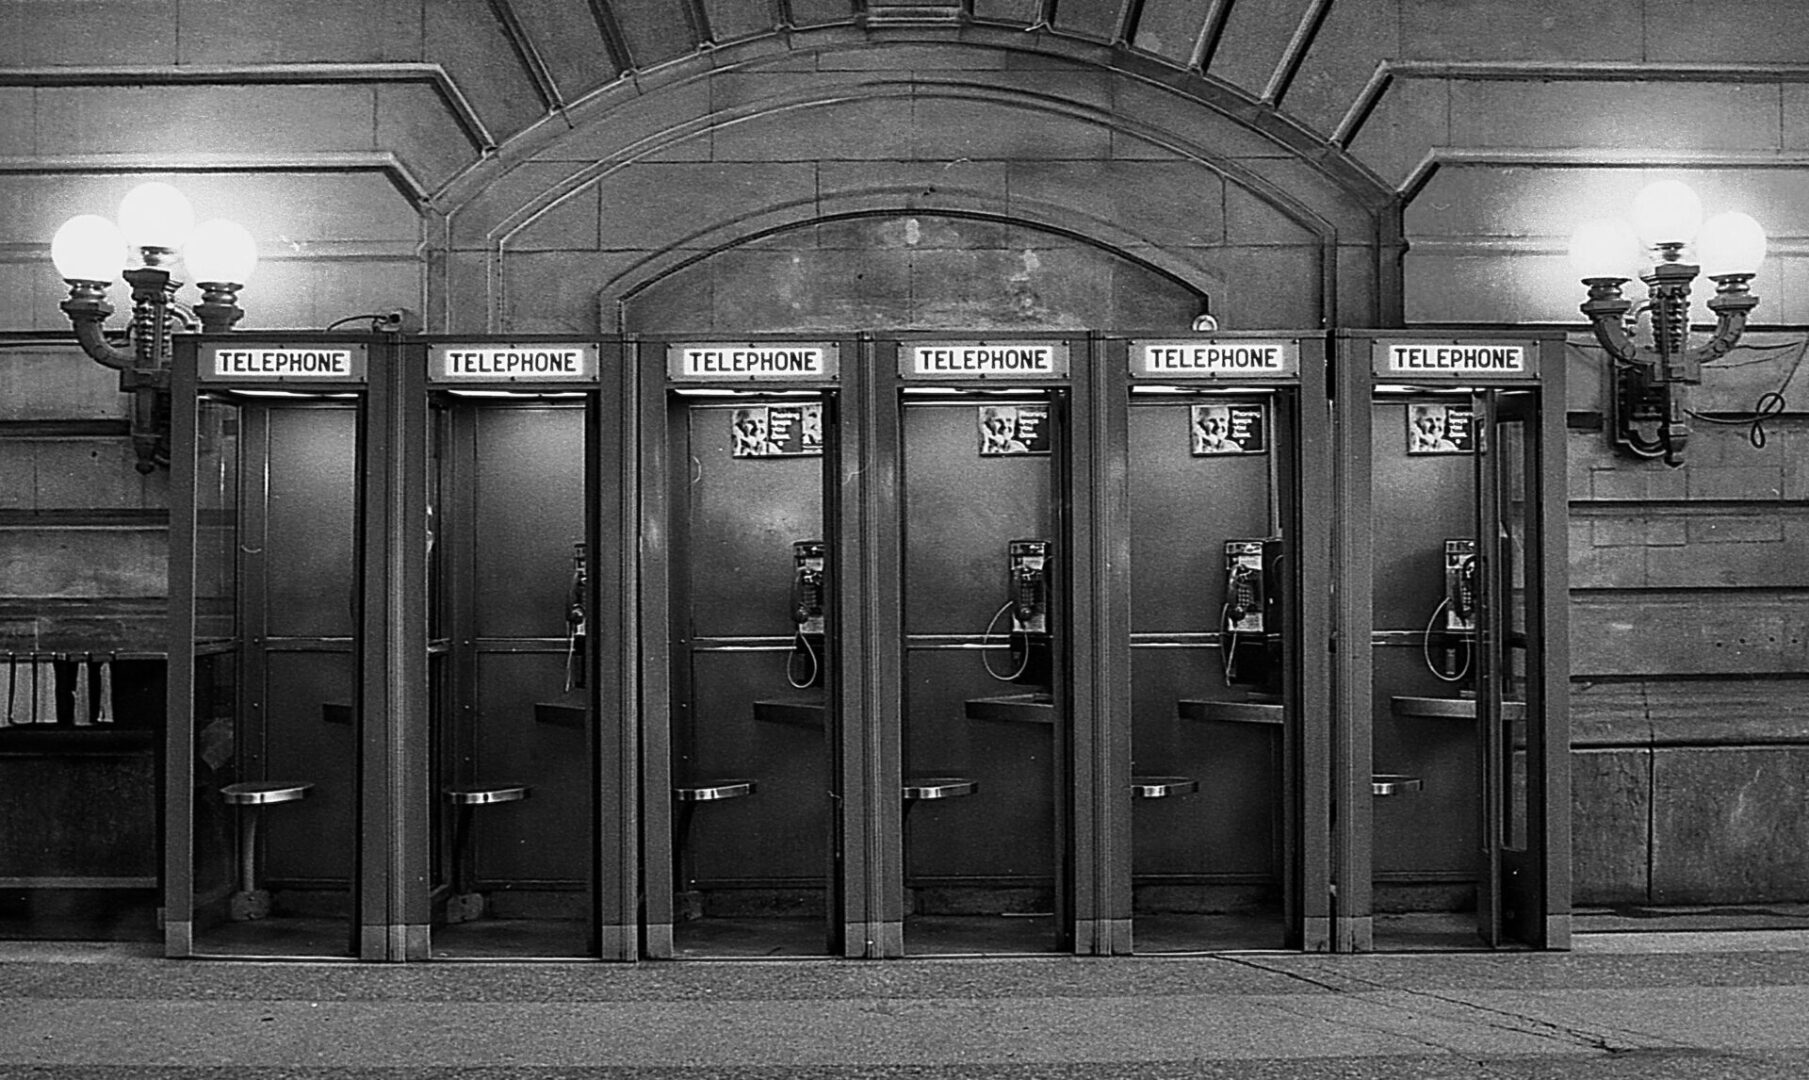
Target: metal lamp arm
column 88, row 312
column 1607, row 311
column 1731, row 304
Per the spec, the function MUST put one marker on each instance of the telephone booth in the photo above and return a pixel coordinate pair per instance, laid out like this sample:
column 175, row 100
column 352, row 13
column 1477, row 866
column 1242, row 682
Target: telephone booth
column 740, row 613
column 1228, row 490
column 280, row 704
column 531, row 779
column 1451, row 823
column 986, row 441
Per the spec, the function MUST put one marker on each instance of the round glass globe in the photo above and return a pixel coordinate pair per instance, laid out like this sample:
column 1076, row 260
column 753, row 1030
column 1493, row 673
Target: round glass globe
column 155, row 215
column 1667, row 212
column 1731, row 243
column 88, row 248
column 1604, row 249
column 220, row 252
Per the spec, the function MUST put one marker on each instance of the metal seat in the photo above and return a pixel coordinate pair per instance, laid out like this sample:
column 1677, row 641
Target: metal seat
column 1162, row 787
column 251, row 903
column 465, row 903
column 1386, row 784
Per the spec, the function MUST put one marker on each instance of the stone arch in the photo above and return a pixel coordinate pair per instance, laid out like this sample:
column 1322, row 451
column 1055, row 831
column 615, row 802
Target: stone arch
column 1086, row 151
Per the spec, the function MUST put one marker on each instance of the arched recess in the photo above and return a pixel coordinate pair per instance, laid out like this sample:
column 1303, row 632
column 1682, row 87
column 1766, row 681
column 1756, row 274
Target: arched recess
column 908, row 271
column 745, row 156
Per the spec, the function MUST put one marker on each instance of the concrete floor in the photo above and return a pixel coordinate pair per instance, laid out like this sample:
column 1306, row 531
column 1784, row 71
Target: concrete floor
column 1693, row 1004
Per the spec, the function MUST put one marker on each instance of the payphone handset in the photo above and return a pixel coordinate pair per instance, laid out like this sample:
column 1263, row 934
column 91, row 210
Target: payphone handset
column 1251, row 617
column 1027, row 568
column 807, row 591
column 1458, row 612
column 575, row 620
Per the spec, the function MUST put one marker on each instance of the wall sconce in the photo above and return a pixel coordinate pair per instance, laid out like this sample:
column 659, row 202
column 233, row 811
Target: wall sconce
column 156, row 225
column 1648, row 402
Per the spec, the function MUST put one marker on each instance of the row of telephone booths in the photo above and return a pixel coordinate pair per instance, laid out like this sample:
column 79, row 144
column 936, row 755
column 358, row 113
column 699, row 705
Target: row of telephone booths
column 866, row 646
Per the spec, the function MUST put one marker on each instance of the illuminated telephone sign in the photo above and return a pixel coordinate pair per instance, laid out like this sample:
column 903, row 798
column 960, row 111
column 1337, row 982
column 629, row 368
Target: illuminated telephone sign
column 1455, row 361
column 338, row 362
column 753, row 362
column 1228, row 360
column 984, row 360
column 513, row 363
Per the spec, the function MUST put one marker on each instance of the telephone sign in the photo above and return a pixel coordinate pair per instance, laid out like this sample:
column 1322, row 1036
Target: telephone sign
column 984, row 360
column 1223, row 359
column 284, row 363
column 512, row 363
column 1458, row 361
column 752, row 362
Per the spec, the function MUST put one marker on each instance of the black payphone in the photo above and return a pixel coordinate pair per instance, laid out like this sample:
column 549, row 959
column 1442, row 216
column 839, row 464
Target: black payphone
column 1252, row 615
column 1027, row 569
column 575, row 630
column 807, row 590
column 1453, row 622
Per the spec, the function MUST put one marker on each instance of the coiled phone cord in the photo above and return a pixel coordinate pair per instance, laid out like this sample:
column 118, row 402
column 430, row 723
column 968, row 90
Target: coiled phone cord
column 791, row 659
column 1227, row 643
column 1426, row 648
column 987, row 636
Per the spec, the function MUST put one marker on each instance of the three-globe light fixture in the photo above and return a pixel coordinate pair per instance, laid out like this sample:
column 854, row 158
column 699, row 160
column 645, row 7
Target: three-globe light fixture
column 1648, row 402
column 156, row 228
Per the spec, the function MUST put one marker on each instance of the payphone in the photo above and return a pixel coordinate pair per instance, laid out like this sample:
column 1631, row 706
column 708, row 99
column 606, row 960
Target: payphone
column 1253, row 614
column 575, row 628
column 1454, row 620
column 804, row 664
column 1027, row 568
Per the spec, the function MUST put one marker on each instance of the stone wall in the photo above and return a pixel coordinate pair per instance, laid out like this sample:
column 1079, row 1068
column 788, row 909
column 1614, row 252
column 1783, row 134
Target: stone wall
column 712, row 165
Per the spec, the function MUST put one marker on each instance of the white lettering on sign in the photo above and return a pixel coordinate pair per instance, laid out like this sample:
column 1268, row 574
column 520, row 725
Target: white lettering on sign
column 321, row 363
column 983, row 360
column 1456, row 359
column 752, row 361
column 1217, row 358
column 520, row 362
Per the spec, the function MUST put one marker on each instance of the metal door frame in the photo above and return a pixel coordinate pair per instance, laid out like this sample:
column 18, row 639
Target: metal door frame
column 1542, row 874
column 1079, row 766
column 390, row 582
column 613, row 644
column 1304, row 497
column 852, row 928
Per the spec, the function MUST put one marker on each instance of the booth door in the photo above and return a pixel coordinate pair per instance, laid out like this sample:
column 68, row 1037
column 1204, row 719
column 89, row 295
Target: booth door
column 1510, row 683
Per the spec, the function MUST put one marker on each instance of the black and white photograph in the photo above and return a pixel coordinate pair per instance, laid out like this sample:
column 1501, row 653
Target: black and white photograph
column 904, row 539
